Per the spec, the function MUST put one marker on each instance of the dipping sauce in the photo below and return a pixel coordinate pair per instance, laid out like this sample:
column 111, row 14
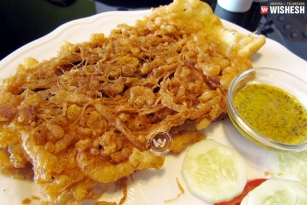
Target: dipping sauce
column 272, row 112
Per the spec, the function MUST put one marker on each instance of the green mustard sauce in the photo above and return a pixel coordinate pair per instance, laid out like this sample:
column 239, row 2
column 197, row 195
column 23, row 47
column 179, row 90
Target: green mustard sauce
column 272, row 112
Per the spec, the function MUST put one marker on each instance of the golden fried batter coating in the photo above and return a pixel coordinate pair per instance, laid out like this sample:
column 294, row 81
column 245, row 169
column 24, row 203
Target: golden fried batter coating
column 85, row 116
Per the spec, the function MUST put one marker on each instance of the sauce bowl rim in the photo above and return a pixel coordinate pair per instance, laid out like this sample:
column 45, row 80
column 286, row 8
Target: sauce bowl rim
column 243, row 127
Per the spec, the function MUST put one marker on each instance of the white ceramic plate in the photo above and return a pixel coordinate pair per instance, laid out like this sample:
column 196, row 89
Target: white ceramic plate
column 150, row 186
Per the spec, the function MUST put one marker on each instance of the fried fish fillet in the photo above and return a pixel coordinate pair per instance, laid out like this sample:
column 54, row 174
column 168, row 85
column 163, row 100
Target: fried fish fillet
column 86, row 116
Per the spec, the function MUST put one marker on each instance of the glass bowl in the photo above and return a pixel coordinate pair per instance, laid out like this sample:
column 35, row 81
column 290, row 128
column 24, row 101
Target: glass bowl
column 292, row 85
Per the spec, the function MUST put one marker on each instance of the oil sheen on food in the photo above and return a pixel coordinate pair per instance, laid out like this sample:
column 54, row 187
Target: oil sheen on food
column 272, row 112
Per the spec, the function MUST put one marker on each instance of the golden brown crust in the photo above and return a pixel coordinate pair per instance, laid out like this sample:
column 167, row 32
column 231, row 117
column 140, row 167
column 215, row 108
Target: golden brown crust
column 79, row 117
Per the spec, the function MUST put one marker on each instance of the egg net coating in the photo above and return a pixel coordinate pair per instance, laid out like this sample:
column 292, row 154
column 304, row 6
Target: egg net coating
column 86, row 116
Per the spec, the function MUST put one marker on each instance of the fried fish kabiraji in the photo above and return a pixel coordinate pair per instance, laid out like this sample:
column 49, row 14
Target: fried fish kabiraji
column 85, row 116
